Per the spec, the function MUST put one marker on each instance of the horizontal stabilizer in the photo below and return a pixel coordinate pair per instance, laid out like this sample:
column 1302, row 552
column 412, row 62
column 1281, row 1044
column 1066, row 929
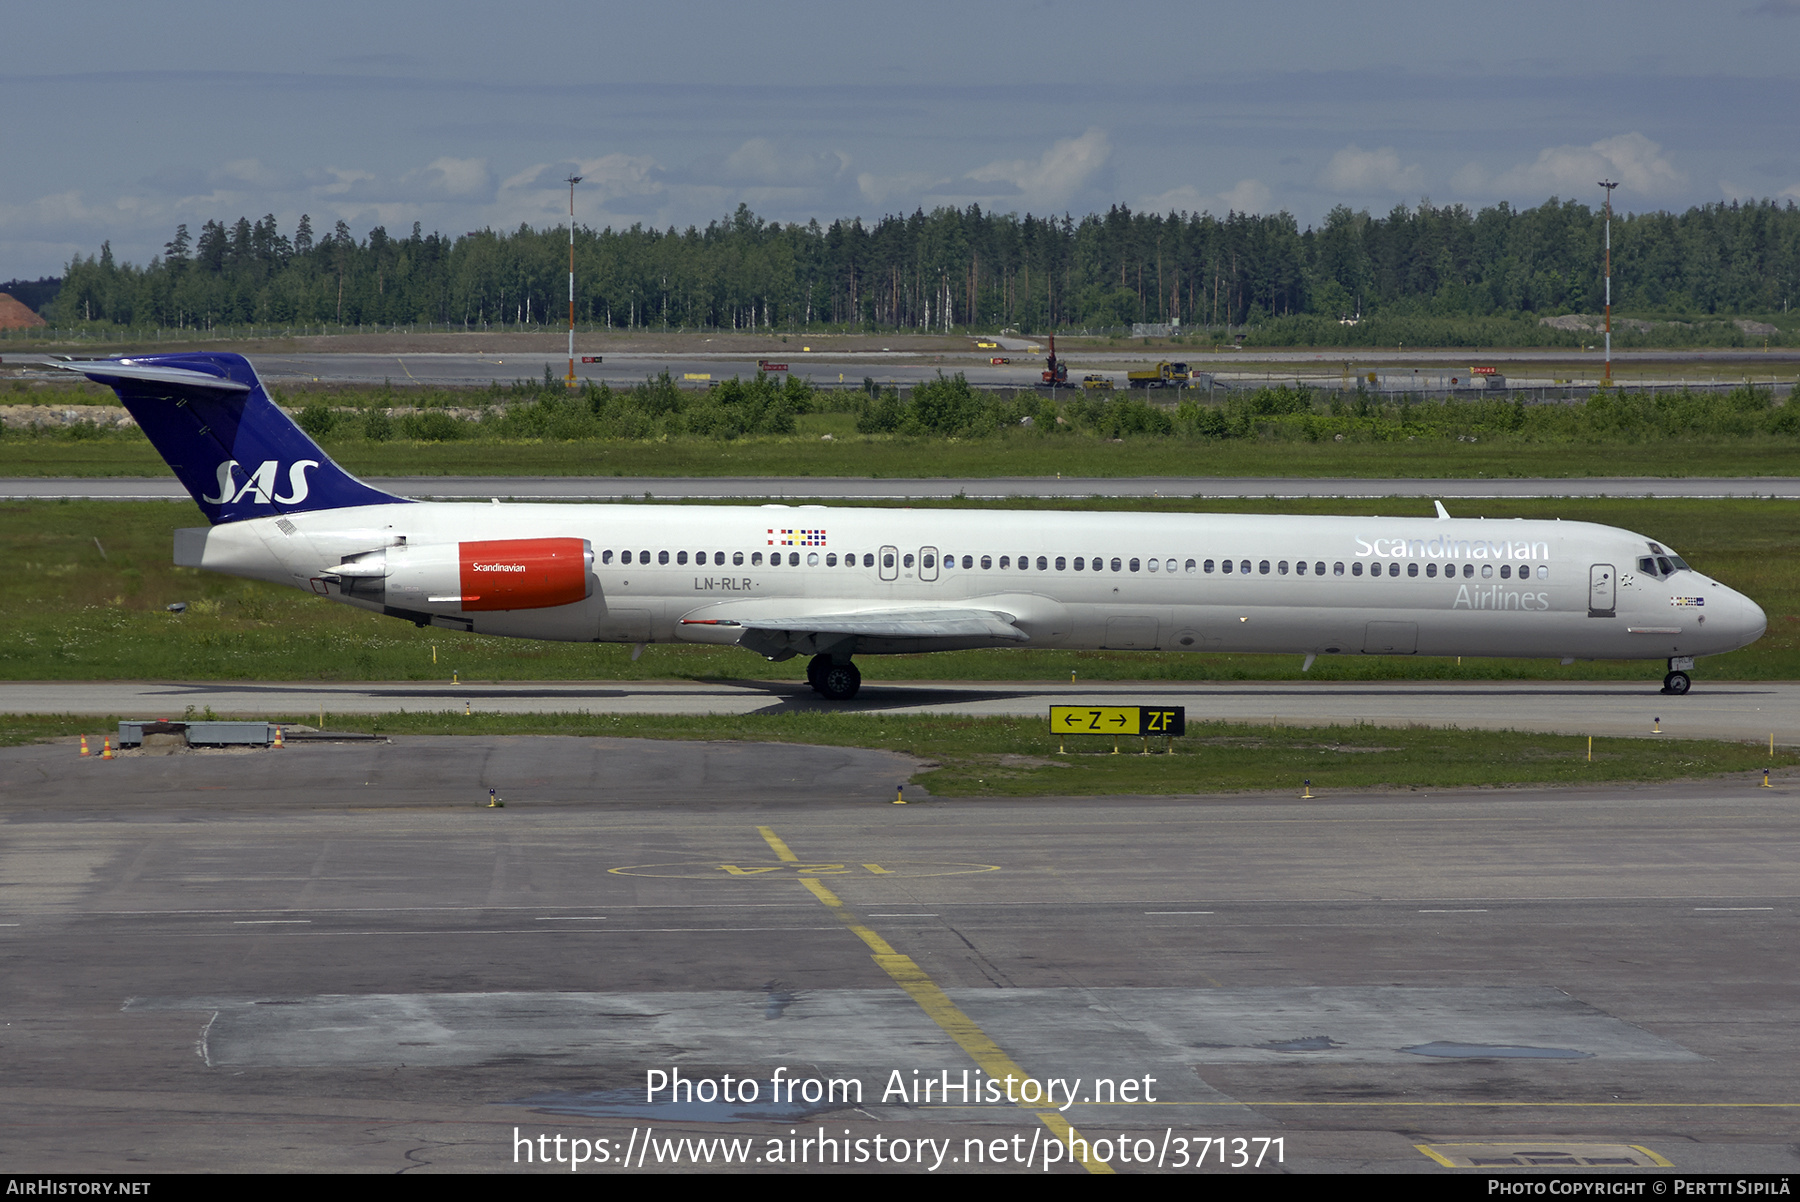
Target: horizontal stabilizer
column 107, row 371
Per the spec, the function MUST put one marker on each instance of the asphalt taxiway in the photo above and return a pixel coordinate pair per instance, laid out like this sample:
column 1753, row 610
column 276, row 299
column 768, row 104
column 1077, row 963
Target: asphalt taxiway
column 337, row 957
column 1748, row 711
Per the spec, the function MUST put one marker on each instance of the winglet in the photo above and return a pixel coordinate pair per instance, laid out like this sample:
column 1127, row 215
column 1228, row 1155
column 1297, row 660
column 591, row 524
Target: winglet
column 1443, row 514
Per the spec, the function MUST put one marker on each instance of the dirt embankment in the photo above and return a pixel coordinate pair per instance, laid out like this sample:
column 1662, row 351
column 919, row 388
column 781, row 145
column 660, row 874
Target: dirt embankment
column 14, row 315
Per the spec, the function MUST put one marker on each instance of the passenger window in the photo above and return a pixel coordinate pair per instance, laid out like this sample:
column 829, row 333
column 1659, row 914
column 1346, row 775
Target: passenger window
column 1337, row 569
column 1190, row 567
column 606, row 557
column 1080, row 564
column 1116, row 565
column 1393, row 569
column 680, row 558
column 1225, row 566
column 1263, row 567
column 662, row 557
column 1319, row 568
column 1061, row 563
column 868, row 559
column 1412, row 569
column 1244, row 567
column 968, row 561
column 1134, row 565
column 831, row 561
column 793, row 559
column 1170, row 566
column 1524, row 571
column 927, row 561
column 1487, row 571
column 1431, row 569
column 887, row 559
column 737, row 557
column 1155, row 566
column 1356, row 569
column 1543, row 572
column 1506, row 571
column 1468, row 570
column 812, row 559
column 906, row 561
column 1006, row 561
column 986, row 562
column 756, row 559
column 1300, row 568
column 1281, row 568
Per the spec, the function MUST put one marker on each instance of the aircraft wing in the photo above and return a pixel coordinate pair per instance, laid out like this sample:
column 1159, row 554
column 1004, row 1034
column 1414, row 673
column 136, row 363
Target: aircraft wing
column 937, row 623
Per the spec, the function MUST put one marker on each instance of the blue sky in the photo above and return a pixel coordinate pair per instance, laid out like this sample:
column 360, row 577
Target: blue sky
column 125, row 119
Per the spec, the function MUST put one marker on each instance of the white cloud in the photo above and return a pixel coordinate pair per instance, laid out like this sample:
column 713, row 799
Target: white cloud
column 249, row 172
column 760, row 161
column 1634, row 161
column 1185, row 199
column 1246, row 196
column 876, row 189
column 1054, row 177
column 1362, row 172
column 453, row 177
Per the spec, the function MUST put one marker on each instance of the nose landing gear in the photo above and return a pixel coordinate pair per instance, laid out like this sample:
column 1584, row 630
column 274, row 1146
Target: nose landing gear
column 1676, row 683
column 834, row 682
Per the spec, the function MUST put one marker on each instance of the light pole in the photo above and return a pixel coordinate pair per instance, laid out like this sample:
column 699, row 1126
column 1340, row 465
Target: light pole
column 1609, row 186
column 572, row 181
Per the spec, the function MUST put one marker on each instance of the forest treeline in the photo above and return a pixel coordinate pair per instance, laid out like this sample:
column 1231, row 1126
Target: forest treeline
column 967, row 268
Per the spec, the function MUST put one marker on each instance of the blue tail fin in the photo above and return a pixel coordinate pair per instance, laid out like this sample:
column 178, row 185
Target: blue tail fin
column 239, row 455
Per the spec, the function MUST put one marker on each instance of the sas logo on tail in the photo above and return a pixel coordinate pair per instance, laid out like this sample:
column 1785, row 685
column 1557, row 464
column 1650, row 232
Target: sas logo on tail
column 261, row 486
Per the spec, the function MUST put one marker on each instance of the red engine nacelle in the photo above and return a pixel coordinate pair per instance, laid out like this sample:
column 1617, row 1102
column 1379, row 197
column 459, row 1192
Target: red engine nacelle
column 525, row 573
column 494, row 574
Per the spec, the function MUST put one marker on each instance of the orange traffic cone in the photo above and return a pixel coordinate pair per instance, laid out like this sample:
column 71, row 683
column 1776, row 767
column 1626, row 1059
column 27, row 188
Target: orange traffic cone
column 106, row 749
column 84, row 747
column 278, row 736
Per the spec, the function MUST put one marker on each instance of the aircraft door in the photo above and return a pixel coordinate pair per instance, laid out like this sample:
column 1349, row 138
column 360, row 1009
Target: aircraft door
column 1602, row 582
column 928, row 563
column 890, row 563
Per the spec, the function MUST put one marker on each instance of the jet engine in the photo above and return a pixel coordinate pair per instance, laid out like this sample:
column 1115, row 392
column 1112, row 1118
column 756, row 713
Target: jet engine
column 472, row 577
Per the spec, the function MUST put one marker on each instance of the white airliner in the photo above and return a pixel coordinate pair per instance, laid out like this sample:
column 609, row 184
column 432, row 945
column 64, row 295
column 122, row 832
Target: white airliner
column 831, row 583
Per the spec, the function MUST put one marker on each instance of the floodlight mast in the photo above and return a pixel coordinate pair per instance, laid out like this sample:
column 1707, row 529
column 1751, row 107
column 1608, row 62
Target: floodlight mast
column 572, row 181
column 1609, row 186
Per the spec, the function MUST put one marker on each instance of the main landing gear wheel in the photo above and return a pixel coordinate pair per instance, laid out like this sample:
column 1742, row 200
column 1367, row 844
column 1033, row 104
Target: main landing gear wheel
column 839, row 682
column 1677, row 683
column 815, row 671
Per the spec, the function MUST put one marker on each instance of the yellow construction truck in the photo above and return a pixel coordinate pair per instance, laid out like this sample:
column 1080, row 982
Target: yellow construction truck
column 1163, row 375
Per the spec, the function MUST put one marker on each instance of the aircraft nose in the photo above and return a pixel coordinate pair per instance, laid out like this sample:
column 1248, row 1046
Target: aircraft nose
column 1746, row 620
column 1755, row 620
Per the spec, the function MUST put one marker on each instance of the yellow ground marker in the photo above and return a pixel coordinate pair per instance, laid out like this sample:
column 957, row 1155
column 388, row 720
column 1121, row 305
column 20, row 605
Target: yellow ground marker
column 936, row 1004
